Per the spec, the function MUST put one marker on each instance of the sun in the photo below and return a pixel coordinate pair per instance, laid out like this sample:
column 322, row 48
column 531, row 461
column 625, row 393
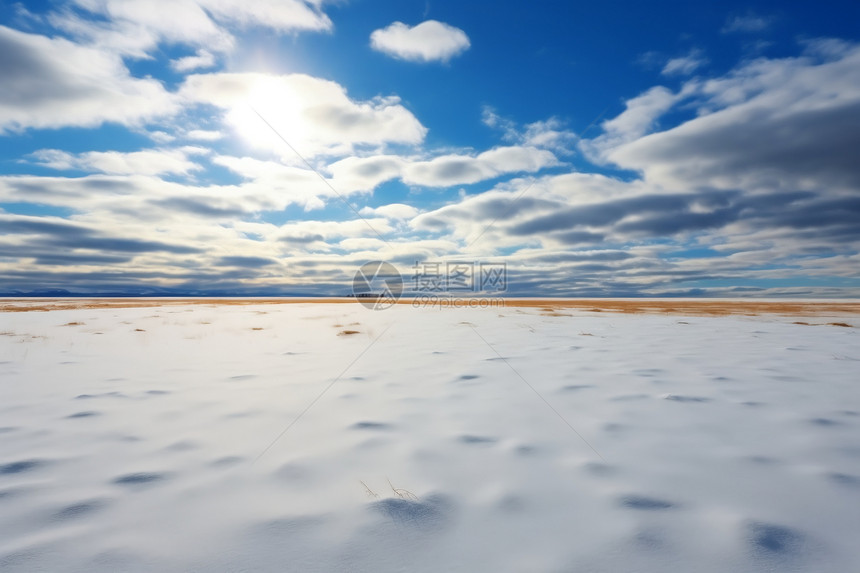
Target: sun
column 271, row 114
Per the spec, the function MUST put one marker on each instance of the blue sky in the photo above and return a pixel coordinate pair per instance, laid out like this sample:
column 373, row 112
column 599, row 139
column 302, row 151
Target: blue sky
column 595, row 149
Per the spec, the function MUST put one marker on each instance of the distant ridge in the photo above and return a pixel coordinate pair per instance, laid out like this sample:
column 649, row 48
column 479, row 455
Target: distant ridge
column 62, row 293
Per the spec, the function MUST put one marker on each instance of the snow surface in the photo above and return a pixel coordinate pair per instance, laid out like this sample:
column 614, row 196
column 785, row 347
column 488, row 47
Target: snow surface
column 515, row 440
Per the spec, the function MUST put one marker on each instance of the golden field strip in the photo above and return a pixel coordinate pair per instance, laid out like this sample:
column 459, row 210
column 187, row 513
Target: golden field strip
column 687, row 307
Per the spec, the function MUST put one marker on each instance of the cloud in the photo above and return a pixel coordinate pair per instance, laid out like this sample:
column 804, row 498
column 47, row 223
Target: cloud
column 280, row 15
column 316, row 116
column 204, row 135
column 50, row 233
column 136, row 27
column 52, row 83
column 429, row 41
column 449, row 170
column 684, row 65
column 151, row 199
column 306, row 231
column 202, row 59
column 786, row 124
column 760, row 174
column 246, row 262
column 507, row 126
column 146, row 162
column 747, row 23
column 365, row 173
column 549, row 134
column 639, row 117
column 397, row 211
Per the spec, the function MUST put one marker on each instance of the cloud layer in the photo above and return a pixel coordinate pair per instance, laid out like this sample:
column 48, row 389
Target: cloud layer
column 731, row 183
column 53, row 82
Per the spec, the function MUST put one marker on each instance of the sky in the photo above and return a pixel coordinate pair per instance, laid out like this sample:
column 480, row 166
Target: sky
column 613, row 148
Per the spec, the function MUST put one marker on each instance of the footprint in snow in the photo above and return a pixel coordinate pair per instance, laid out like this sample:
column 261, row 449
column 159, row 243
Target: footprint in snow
column 140, row 478
column 770, row 540
column 825, row 422
column 476, row 440
column 20, row 467
column 430, row 513
column 226, row 461
column 78, row 510
column 87, row 414
column 686, row 399
column 845, row 479
column 642, row 502
column 370, row 426
column 576, row 387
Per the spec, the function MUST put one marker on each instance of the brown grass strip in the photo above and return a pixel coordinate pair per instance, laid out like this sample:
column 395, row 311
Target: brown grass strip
column 690, row 307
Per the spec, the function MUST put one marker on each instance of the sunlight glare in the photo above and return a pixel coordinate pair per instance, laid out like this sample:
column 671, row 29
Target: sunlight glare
column 281, row 107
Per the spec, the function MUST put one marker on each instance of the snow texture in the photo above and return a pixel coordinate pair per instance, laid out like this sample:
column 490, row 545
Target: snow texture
column 255, row 438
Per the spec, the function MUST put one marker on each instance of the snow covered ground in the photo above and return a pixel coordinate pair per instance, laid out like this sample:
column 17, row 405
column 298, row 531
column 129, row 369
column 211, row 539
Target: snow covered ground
column 268, row 438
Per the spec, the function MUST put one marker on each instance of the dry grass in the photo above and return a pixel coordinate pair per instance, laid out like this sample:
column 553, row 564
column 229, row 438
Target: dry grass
column 399, row 492
column 403, row 493
column 370, row 492
column 701, row 307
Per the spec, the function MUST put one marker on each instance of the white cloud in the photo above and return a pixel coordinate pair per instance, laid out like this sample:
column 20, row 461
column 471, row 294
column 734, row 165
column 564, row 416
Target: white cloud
column 280, row 15
column 764, row 171
column 449, row 170
column 788, row 123
column 327, row 230
column 137, row 27
column 316, row 116
column 161, row 137
column 507, row 126
column 747, row 23
column 204, row 135
column 52, row 82
column 639, row 117
column 147, row 162
column 279, row 185
column 427, row 42
column 547, row 134
column 202, row 59
column 397, row 211
column 684, row 65
column 365, row 173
